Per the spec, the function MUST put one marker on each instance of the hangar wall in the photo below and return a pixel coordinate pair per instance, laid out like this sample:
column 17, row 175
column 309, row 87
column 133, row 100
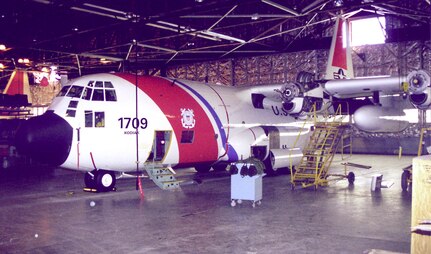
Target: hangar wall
column 370, row 60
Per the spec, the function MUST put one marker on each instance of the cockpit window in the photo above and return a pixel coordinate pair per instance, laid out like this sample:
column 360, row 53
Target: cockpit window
column 98, row 95
column 110, row 95
column 99, row 119
column 63, row 91
column 75, row 92
column 94, row 91
column 87, row 94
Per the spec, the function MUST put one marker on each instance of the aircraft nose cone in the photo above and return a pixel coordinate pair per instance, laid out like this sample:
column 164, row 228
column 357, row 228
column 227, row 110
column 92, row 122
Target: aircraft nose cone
column 46, row 138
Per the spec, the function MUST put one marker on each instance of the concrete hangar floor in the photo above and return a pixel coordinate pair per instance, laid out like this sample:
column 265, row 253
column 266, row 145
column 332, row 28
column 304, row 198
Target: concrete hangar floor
column 46, row 211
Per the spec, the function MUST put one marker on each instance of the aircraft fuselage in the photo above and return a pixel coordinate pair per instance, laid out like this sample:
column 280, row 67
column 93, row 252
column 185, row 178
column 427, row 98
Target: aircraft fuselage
column 172, row 122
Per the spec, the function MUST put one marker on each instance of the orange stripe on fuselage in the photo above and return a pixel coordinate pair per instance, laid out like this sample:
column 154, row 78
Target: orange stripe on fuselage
column 171, row 98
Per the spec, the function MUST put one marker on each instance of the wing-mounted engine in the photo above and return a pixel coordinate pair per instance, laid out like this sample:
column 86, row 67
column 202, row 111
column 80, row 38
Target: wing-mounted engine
column 419, row 89
column 302, row 94
column 292, row 97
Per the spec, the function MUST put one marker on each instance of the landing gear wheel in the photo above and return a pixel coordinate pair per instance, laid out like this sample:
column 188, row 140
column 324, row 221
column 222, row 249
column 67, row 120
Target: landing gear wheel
column 253, row 204
column 219, row 167
column 90, row 179
column 239, row 201
column 404, row 180
column 203, row 168
column 233, row 203
column 351, row 177
column 105, row 180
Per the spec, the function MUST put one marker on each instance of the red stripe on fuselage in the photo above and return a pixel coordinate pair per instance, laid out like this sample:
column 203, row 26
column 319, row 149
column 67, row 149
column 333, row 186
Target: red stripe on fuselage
column 171, row 98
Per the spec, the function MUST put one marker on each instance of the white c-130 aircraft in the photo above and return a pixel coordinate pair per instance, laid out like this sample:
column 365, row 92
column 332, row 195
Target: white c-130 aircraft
column 105, row 124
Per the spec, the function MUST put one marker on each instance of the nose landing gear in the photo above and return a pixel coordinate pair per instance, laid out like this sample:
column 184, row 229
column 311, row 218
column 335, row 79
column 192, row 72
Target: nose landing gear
column 99, row 181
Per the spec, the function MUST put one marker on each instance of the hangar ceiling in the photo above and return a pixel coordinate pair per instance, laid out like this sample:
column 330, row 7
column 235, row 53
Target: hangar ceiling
column 87, row 36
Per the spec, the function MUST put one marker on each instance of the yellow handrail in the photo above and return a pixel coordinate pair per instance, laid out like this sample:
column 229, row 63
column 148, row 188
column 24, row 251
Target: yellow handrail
column 312, row 110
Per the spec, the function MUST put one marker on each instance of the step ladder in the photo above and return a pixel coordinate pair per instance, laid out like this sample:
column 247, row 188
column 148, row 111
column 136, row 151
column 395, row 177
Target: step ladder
column 164, row 178
column 319, row 153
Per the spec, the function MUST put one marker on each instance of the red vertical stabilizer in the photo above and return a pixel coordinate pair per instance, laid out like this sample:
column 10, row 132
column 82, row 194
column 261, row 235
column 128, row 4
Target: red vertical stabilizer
column 340, row 55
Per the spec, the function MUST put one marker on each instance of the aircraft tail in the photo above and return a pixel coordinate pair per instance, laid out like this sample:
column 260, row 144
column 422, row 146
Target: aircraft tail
column 18, row 84
column 340, row 56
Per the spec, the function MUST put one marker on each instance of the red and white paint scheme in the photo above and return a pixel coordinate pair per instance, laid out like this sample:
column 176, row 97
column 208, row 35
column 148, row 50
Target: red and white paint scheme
column 94, row 123
column 107, row 123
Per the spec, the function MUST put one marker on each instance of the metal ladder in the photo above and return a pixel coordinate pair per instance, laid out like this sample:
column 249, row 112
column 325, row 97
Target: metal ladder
column 164, row 178
column 319, row 153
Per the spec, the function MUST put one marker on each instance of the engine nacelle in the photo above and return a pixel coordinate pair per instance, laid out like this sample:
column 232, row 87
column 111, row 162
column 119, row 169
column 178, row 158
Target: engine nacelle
column 295, row 106
column 421, row 100
column 418, row 81
column 283, row 158
column 290, row 91
column 379, row 119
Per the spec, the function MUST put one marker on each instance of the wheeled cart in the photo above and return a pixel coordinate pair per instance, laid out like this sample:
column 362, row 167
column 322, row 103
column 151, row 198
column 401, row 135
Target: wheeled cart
column 245, row 187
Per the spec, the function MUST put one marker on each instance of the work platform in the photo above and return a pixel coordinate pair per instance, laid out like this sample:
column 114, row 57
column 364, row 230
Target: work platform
column 46, row 211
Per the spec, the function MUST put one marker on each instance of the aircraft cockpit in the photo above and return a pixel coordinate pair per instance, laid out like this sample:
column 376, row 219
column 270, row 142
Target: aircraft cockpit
column 93, row 91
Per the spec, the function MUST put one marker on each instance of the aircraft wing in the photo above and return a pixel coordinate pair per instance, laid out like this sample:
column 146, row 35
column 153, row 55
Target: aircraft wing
column 351, row 88
column 416, row 82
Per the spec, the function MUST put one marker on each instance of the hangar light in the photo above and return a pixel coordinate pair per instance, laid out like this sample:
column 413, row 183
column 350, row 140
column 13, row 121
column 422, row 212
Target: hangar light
column 368, row 31
column 23, row 61
column 2, row 47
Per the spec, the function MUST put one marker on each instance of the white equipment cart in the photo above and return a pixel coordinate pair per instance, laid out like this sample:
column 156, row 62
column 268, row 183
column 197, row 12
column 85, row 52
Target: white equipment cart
column 246, row 182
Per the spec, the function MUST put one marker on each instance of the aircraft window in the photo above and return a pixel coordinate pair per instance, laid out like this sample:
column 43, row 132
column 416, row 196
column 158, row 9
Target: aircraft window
column 99, row 119
column 73, row 104
column 71, row 112
column 87, row 93
column 108, row 84
column 63, row 91
column 99, row 84
column 187, row 137
column 88, row 118
column 98, row 95
column 75, row 92
column 110, row 95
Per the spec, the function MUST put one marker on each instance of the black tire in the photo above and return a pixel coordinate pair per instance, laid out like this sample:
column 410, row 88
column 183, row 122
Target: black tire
column 351, row 177
column 90, row 179
column 404, row 180
column 105, row 181
column 219, row 167
column 203, row 168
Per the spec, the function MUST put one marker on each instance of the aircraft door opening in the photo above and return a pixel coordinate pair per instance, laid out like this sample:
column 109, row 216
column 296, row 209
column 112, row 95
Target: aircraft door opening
column 161, row 144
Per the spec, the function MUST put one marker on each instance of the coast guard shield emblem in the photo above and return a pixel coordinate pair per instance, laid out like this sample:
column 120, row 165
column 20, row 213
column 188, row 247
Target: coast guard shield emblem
column 188, row 118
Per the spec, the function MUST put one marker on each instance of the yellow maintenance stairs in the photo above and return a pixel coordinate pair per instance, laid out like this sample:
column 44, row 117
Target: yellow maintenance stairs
column 325, row 140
